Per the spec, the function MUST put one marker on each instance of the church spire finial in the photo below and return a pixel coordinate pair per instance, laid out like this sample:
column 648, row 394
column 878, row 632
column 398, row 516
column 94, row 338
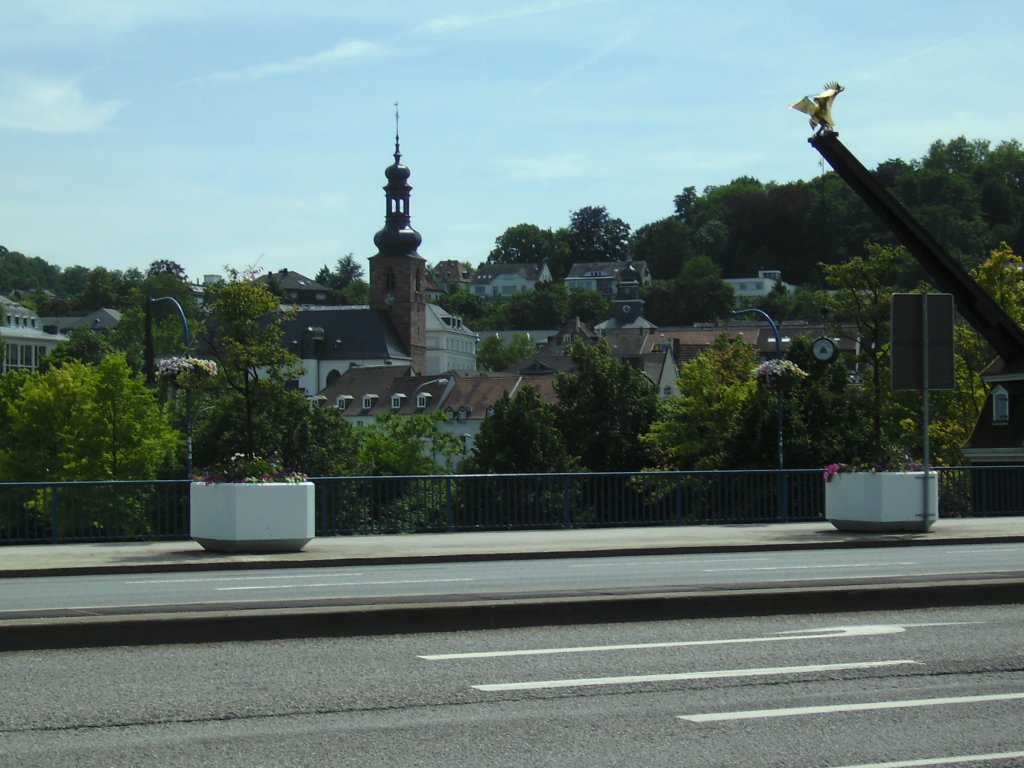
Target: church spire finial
column 397, row 151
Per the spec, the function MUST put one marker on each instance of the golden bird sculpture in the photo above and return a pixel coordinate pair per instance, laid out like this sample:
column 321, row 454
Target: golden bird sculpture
column 820, row 107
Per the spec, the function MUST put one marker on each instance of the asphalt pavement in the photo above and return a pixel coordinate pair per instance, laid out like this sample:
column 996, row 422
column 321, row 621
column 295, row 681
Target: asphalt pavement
column 254, row 623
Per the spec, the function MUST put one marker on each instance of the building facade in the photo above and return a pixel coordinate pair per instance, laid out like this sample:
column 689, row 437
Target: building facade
column 25, row 343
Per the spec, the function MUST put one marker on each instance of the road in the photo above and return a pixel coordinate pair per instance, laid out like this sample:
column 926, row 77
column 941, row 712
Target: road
column 829, row 690
column 218, row 590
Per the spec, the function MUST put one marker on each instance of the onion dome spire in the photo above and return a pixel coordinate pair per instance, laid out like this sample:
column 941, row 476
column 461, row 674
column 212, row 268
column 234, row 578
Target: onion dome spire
column 397, row 237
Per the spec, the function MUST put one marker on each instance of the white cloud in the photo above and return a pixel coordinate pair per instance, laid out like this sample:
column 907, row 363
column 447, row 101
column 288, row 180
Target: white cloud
column 43, row 105
column 456, row 22
column 545, row 167
column 343, row 51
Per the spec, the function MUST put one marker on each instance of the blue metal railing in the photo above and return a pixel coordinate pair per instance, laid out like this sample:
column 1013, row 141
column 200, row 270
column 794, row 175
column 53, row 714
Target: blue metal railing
column 125, row 510
column 149, row 510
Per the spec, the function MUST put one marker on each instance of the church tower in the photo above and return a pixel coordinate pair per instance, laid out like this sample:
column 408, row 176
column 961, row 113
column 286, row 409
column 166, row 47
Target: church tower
column 397, row 272
column 627, row 305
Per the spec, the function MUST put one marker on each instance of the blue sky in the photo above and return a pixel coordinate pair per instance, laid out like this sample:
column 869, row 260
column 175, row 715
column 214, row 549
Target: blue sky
column 255, row 133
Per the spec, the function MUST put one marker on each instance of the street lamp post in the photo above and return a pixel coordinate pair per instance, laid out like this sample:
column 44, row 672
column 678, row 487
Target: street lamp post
column 188, row 392
column 782, row 487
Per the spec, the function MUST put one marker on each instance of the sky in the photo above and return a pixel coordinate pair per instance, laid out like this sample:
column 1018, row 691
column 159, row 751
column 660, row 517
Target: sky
column 254, row 134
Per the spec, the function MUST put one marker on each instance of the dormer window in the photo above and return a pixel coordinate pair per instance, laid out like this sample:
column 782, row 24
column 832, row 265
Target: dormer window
column 368, row 401
column 396, row 401
column 342, row 402
column 423, row 399
column 1000, row 405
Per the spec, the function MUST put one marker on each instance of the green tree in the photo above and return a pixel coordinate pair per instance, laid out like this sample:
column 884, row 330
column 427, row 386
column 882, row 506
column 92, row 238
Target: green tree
column 823, row 419
column 529, row 244
column 696, row 294
column 167, row 267
column 547, row 306
column 407, row 445
column 520, row 436
column 318, row 442
column 19, row 272
column 243, row 334
column 85, row 422
column 84, row 345
column 346, row 281
column 589, row 306
column 696, row 427
column 355, row 293
column 469, row 306
column 493, row 354
column 595, row 235
column 861, row 291
column 665, row 245
column 603, row 409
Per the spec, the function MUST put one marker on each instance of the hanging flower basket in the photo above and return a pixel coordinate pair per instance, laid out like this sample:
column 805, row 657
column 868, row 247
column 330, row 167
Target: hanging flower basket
column 778, row 374
column 186, row 372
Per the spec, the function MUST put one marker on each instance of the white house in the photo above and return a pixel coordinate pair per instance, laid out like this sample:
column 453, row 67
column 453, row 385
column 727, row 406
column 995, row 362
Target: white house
column 24, row 340
column 451, row 346
column 604, row 276
column 761, row 285
column 503, row 280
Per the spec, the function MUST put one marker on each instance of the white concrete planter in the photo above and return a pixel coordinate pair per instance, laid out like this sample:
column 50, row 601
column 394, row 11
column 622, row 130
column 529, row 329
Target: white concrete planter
column 252, row 517
column 881, row 501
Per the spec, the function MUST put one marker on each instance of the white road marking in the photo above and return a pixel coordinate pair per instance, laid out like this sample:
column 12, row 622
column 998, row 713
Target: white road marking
column 340, row 584
column 898, row 575
column 235, row 578
column 687, row 561
column 712, row 675
column 801, row 567
column 799, row 634
column 940, row 760
column 753, row 714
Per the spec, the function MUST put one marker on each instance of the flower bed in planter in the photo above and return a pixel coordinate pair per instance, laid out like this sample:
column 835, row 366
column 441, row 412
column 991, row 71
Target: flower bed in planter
column 881, row 501
column 252, row 517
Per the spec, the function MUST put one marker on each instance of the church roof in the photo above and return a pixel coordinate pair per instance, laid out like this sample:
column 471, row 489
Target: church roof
column 345, row 333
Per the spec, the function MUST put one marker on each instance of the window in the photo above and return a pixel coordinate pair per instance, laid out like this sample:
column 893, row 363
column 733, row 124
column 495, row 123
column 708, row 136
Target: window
column 368, row 401
column 422, row 399
column 1000, row 406
column 396, row 401
column 343, row 401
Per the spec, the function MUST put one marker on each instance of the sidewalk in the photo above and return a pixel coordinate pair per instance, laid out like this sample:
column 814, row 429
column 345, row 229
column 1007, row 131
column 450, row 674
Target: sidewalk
column 169, row 556
column 247, row 622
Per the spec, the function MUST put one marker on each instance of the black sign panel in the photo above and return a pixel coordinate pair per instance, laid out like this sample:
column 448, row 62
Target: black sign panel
column 911, row 339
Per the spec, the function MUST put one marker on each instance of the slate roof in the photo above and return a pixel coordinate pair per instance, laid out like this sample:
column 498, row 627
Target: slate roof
column 290, row 280
column 606, row 269
column 487, row 273
column 349, row 333
column 100, row 319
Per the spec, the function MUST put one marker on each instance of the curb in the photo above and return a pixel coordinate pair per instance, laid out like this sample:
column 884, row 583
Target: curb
column 466, row 557
column 353, row 621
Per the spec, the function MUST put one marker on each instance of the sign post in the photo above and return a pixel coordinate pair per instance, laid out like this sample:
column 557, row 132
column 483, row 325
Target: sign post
column 922, row 356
